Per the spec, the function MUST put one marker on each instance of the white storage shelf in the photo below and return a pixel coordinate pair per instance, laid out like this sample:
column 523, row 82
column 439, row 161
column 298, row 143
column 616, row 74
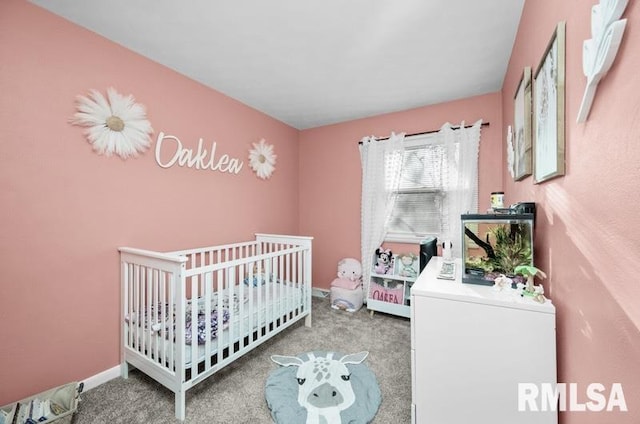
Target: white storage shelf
column 403, row 309
column 471, row 346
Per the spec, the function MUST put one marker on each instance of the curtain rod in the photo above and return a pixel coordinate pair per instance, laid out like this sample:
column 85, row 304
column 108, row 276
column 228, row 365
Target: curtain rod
column 484, row 124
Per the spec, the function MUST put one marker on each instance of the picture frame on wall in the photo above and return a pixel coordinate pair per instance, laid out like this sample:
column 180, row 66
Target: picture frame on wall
column 522, row 127
column 549, row 110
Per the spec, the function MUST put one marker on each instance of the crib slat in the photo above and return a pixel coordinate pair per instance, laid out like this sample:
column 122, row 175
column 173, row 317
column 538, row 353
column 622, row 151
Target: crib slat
column 138, row 308
column 208, row 287
column 149, row 314
column 231, row 295
column 130, row 281
column 268, row 305
column 156, row 307
column 286, row 289
column 260, row 294
column 162, row 301
column 171, row 283
column 220, row 291
column 194, row 329
column 274, row 293
column 250, row 321
column 273, row 287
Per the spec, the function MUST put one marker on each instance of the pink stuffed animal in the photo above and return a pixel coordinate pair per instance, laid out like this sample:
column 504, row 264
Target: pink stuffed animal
column 350, row 268
column 346, row 290
column 349, row 274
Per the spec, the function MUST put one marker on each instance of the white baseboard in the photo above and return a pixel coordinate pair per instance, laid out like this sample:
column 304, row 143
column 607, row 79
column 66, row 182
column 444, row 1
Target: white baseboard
column 319, row 292
column 101, row 378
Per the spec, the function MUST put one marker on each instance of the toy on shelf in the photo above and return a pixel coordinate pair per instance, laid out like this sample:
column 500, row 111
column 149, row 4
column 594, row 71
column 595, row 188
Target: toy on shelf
column 346, row 289
column 384, row 261
column 407, row 265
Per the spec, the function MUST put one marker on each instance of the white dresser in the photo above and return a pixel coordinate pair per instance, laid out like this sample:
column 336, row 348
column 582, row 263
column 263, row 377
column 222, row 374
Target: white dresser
column 471, row 346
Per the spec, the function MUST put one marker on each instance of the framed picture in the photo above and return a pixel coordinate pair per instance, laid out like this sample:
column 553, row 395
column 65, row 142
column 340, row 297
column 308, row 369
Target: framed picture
column 522, row 127
column 548, row 110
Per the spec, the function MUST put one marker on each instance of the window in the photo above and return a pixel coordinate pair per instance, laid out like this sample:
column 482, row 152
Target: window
column 420, row 208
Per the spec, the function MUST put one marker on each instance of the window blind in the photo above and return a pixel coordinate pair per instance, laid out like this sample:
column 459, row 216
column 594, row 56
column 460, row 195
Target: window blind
column 420, row 205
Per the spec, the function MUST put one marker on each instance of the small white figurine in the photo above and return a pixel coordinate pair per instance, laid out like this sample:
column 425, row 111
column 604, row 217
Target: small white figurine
column 502, row 282
column 538, row 293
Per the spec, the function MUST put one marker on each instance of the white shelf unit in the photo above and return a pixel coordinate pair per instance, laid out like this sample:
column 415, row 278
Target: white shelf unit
column 470, row 347
column 403, row 309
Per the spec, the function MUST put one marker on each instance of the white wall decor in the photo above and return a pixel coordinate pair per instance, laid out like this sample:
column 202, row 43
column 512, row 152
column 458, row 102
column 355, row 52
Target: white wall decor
column 262, row 159
column 599, row 52
column 510, row 152
column 116, row 124
column 170, row 151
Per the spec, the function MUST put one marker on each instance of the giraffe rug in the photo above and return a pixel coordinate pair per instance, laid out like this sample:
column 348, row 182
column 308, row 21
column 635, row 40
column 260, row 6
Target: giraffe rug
column 322, row 388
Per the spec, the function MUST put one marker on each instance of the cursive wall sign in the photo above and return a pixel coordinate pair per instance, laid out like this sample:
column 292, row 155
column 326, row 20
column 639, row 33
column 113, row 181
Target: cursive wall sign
column 169, row 146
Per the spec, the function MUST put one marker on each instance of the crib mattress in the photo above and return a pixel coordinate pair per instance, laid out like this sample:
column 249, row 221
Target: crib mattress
column 242, row 323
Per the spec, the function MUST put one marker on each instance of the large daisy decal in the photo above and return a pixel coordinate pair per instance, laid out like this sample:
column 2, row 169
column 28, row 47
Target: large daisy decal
column 262, row 159
column 115, row 124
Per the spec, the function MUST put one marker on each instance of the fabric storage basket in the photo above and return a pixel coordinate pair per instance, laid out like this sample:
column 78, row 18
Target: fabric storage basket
column 387, row 293
column 54, row 405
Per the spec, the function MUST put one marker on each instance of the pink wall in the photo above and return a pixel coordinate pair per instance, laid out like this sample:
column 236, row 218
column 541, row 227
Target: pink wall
column 330, row 172
column 588, row 232
column 66, row 209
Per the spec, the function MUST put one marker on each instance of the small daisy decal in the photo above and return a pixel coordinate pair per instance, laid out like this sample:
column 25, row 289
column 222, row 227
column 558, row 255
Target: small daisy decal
column 115, row 124
column 262, row 159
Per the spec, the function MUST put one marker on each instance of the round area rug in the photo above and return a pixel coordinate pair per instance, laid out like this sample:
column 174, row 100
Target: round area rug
column 323, row 388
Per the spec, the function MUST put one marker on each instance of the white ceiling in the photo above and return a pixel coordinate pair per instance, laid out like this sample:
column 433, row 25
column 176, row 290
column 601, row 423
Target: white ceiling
column 312, row 63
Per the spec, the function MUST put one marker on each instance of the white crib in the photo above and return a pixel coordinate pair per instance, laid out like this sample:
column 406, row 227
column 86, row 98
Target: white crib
column 256, row 289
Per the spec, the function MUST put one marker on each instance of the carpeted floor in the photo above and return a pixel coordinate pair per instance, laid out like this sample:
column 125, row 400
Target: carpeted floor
column 236, row 393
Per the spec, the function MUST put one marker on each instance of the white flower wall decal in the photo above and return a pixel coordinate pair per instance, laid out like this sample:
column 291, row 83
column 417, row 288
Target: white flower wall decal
column 116, row 124
column 262, row 159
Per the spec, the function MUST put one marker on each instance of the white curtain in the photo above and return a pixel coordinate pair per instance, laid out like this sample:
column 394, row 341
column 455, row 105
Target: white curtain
column 462, row 146
column 381, row 169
